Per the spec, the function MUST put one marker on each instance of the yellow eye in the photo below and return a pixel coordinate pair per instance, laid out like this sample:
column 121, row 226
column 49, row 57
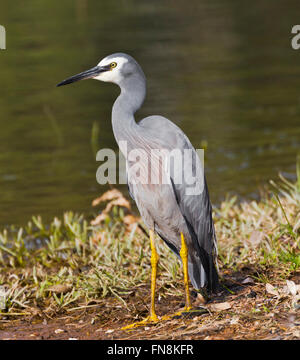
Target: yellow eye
column 113, row 65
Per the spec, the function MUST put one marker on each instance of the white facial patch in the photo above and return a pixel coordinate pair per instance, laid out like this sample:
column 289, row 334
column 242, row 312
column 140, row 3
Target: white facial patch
column 112, row 75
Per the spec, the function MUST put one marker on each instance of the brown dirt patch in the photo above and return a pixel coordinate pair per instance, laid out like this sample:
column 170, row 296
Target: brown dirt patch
column 249, row 313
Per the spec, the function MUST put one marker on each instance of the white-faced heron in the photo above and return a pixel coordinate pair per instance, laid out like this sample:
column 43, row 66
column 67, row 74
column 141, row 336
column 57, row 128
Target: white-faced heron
column 182, row 218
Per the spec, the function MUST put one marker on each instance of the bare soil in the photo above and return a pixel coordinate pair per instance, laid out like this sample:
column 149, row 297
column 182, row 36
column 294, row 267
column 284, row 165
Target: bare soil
column 243, row 310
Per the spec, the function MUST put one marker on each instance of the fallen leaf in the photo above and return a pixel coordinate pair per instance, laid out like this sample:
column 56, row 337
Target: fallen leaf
column 220, row 306
column 108, row 196
column 296, row 333
column 292, row 287
column 130, row 219
column 115, row 198
column 118, row 202
column 248, row 280
column 271, row 290
column 59, row 331
column 98, row 220
column 234, row 320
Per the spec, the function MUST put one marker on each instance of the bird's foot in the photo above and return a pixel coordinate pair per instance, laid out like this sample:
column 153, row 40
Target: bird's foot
column 151, row 319
column 187, row 312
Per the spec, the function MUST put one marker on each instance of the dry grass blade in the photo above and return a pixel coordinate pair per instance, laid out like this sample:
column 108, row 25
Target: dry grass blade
column 69, row 267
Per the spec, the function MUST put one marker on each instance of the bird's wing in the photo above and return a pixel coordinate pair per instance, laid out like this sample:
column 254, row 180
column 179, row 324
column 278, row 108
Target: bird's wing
column 193, row 200
column 130, row 190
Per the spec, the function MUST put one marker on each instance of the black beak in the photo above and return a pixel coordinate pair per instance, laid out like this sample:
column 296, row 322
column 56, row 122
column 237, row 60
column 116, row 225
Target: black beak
column 85, row 75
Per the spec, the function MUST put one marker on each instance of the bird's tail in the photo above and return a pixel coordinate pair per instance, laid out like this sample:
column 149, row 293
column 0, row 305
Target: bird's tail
column 203, row 273
column 202, row 266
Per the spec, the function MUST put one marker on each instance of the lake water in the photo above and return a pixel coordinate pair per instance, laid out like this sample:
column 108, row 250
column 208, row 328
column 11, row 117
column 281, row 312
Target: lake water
column 224, row 71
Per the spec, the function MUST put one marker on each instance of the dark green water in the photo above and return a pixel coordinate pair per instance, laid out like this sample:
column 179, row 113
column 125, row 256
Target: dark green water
column 224, row 71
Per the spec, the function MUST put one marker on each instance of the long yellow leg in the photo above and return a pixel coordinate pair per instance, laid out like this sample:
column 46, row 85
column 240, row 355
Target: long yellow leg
column 154, row 260
column 184, row 258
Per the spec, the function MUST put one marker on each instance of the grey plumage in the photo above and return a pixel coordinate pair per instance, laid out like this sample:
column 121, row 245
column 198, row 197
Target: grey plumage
column 165, row 208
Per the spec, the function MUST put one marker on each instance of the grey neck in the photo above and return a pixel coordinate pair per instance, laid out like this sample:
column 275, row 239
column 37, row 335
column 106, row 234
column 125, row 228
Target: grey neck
column 133, row 92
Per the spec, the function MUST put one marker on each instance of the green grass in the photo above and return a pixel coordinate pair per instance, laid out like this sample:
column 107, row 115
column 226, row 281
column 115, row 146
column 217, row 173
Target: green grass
column 69, row 264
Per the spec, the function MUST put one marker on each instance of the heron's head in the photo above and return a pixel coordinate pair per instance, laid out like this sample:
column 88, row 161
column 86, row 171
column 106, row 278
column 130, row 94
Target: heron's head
column 115, row 68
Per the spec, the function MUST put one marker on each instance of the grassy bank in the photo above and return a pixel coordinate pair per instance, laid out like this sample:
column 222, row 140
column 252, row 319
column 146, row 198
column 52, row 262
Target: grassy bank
column 71, row 269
